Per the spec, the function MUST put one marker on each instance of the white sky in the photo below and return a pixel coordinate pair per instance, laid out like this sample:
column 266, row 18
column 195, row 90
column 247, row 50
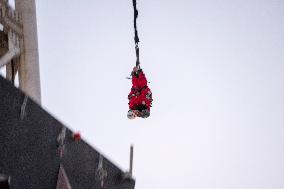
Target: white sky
column 216, row 71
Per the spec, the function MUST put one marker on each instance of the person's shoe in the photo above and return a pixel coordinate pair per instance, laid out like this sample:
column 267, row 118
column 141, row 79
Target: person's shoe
column 145, row 113
column 131, row 114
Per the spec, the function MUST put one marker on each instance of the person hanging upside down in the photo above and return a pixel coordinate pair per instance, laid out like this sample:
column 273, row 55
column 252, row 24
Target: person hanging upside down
column 140, row 96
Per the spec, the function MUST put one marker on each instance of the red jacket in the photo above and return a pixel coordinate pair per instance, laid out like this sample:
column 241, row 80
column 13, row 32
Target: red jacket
column 142, row 97
column 140, row 92
column 138, row 79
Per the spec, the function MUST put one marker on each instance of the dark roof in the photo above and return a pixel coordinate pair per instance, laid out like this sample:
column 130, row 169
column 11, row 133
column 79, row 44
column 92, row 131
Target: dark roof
column 29, row 149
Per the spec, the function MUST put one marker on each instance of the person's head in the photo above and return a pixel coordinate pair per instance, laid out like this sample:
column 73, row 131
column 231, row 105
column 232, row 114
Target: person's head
column 131, row 114
column 145, row 113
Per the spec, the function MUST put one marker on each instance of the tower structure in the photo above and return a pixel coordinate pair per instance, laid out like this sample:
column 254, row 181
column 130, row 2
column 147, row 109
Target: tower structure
column 37, row 151
column 21, row 55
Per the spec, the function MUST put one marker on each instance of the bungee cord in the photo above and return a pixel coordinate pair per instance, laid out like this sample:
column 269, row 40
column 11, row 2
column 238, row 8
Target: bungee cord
column 136, row 38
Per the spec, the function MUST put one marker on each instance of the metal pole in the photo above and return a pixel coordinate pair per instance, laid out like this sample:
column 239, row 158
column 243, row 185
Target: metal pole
column 29, row 76
column 6, row 58
column 131, row 160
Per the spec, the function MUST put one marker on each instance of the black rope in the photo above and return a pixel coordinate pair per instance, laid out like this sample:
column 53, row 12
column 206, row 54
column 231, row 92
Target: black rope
column 136, row 38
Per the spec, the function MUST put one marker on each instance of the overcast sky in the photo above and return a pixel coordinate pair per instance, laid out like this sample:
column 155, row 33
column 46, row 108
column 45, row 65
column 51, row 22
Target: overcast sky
column 216, row 69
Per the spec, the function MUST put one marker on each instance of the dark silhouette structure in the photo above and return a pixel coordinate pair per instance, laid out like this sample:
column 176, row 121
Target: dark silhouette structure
column 36, row 154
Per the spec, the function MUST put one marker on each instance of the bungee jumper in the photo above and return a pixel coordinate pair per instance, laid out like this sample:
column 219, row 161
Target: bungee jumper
column 140, row 96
